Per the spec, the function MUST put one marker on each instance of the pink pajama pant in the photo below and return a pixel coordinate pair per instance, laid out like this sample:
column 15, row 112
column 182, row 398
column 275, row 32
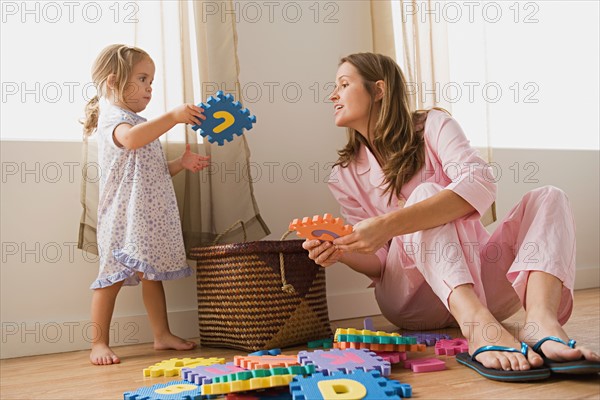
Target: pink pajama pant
column 423, row 268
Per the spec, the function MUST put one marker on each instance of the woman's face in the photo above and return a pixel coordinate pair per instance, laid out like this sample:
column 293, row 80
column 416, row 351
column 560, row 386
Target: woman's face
column 351, row 100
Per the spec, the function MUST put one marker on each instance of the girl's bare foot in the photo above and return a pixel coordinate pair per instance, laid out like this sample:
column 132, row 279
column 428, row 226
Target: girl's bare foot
column 101, row 354
column 172, row 342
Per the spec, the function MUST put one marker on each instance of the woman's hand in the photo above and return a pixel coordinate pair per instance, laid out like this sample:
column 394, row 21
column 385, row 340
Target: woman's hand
column 323, row 253
column 192, row 161
column 368, row 236
column 188, row 114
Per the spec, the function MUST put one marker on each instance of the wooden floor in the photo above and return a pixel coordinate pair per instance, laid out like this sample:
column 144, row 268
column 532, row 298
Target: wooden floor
column 70, row 375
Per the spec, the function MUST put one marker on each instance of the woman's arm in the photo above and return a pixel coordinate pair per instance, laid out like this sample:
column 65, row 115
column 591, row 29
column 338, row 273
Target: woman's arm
column 373, row 233
column 326, row 254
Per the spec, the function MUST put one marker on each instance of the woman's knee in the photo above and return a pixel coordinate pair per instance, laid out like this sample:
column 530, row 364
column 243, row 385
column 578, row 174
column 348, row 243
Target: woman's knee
column 551, row 193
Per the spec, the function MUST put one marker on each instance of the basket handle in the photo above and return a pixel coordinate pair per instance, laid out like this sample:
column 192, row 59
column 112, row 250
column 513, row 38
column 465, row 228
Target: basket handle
column 220, row 235
column 286, row 287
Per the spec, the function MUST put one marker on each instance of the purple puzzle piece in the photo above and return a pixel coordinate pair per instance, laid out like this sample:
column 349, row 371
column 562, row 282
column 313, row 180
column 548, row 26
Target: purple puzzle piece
column 204, row 374
column 428, row 339
column 344, row 360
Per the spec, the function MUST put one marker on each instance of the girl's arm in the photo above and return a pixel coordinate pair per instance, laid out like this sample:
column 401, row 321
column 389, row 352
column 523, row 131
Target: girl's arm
column 188, row 160
column 134, row 137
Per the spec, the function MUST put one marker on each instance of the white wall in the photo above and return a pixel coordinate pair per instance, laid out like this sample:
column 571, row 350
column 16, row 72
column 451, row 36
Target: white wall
column 44, row 281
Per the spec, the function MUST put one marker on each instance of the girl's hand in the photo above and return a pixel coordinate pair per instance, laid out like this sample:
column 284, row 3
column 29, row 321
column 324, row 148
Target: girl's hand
column 322, row 253
column 188, row 114
column 192, row 161
column 368, row 236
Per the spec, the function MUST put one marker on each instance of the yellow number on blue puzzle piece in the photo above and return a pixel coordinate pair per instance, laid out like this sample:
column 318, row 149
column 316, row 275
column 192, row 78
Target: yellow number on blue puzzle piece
column 342, row 389
column 174, row 389
column 229, row 120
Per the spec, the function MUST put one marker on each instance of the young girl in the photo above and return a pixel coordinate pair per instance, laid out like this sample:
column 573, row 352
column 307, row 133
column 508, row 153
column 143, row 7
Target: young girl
column 417, row 232
column 139, row 231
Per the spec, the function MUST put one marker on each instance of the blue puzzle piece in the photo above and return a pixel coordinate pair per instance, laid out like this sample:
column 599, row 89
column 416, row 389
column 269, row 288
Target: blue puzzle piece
column 271, row 352
column 224, row 119
column 176, row 390
column 344, row 360
column 357, row 384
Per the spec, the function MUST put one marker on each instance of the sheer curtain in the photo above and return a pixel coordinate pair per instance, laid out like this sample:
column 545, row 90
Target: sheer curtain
column 423, row 54
column 189, row 52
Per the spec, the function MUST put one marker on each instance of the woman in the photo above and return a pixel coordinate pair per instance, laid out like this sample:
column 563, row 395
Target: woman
column 415, row 190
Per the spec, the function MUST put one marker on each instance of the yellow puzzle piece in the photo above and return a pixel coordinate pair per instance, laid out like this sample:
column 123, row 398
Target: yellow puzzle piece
column 173, row 366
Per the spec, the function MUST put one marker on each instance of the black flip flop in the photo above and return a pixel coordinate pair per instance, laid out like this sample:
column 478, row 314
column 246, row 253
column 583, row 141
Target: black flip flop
column 576, row 367
column 501, row 375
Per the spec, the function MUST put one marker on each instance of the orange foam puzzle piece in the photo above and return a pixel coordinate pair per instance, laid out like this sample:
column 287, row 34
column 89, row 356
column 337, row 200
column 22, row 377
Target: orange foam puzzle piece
column 320, row 227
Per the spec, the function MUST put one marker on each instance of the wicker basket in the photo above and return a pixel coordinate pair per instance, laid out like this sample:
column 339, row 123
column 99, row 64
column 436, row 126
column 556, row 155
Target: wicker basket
column 260, row 295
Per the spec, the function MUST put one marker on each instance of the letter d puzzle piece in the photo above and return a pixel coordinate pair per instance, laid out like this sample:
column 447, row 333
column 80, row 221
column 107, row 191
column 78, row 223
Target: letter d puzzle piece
column 320, row 228
column 343, row 386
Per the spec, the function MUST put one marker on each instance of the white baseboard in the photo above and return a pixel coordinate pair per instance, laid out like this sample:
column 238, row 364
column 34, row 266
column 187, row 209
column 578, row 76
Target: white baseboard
column 28, row 338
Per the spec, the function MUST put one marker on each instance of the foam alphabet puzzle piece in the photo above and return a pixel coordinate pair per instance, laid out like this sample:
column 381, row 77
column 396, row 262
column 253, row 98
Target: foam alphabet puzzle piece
column 320, row 227
column 426, row 338
column 173, row 366
column 368, row 385
column 246, row 385
column 368, row 336
column 271, row 352
column 425, row 365
column 265, row 362
column 278, row 393
column 175, row 390
column 261, row 373
column 224, row 119
column 368, row 324
column 451, row 347
column 326, row 343
column 379, row 347
column 393, row 357
column 205, row 374
column 344, row 360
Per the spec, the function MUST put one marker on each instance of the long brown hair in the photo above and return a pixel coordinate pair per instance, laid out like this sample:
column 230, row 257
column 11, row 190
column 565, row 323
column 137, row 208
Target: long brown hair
column 118, row 60
column 395, row 141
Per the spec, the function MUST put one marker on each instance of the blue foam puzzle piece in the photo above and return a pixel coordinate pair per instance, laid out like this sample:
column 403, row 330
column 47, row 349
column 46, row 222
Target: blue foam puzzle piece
column 347, row 360
column 175, row 390
column 271, row 352
column 377, row 386
column 224, row 103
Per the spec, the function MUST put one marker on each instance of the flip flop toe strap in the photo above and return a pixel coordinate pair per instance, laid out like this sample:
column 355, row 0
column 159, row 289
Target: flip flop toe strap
column 480, row 350
column 537, row 347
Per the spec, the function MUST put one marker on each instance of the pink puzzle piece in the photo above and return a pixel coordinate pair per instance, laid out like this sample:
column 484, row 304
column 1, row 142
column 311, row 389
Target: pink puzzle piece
column 451, row 347
column 393, row 357
column 425, row 365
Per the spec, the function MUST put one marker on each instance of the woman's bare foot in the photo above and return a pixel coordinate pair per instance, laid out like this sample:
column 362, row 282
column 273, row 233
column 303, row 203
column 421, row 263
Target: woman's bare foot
column 541, row 324
column 172, row 342
column 101, row 354
column 486, row 331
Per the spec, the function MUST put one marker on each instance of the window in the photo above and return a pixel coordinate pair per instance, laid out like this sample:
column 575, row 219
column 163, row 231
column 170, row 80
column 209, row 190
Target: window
column 524, row 73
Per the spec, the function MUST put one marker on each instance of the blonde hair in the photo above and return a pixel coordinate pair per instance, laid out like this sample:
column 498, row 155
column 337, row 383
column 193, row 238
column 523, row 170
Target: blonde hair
column 394, row 140
column 117, row 60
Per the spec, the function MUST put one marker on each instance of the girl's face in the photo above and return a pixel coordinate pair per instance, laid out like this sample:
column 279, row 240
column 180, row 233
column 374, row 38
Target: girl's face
column 138, row 90
column 351, row 100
